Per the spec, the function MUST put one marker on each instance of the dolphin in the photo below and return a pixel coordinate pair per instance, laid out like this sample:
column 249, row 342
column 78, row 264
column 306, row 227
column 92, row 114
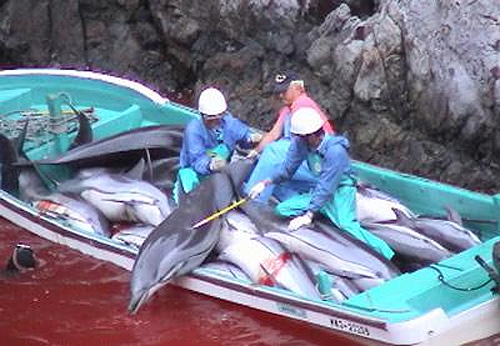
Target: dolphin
column 162, row 173
column 75, row 211
column 409, row 243
column 31, row 186
column 266, row 262
column 121, row 198
column 236, row 226
column 124, row 148
column 448, row 232
column 373, row 205
column 175, row 248
column 134, row 235
column 341, row 288
column 338, row 251
column 15, row 178
column 226, row 269
column 337, row 257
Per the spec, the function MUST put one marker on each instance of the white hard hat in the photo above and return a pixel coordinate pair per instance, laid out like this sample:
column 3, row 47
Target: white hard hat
column 212, row 102
column 305, row 121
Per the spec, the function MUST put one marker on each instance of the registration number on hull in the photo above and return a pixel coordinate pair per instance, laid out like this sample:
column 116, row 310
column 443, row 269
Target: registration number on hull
column 350, row 327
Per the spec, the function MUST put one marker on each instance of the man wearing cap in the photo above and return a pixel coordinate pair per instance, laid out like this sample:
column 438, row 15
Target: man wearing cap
column 334, row 191
column 274, row 145
column 209, row 141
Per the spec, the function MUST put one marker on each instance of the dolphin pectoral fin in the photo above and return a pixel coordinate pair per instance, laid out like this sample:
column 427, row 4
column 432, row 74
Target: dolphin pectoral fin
column 137, row 171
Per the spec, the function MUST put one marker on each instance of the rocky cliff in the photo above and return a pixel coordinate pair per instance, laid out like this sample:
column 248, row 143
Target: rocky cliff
column 415, row 84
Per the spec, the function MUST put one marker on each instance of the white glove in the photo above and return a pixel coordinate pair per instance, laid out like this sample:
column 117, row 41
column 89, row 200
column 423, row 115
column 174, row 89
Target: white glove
column 253, row 153
column 257, row 189
column 255, row 137
column 217, row 163
column 300, row 221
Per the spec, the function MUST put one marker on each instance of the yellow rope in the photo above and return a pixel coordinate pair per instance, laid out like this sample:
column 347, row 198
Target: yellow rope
column 220, row 212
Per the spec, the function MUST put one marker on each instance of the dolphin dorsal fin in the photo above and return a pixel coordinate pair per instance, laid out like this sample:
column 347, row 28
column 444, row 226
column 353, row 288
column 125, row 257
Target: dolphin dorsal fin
column 453, row 215
column 19, row 141
column 84, row 135
column 402, row 218
column 137, row 171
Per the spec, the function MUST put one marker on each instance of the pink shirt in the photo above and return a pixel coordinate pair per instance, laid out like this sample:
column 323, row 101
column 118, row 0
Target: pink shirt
column 305, row 101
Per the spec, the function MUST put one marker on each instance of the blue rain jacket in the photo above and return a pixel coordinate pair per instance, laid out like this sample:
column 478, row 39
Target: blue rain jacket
column 335, row 163
column 198, row 140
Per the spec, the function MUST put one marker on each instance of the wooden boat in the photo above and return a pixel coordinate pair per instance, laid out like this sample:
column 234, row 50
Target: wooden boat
column 447, row 304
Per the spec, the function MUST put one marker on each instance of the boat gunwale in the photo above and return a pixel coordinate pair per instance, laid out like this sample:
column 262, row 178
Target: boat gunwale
column 89, row 75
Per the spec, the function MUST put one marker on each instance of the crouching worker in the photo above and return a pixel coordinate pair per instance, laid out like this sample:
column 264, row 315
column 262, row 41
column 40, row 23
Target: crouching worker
column 210, row 141
column 274, row 146
column 334, row 193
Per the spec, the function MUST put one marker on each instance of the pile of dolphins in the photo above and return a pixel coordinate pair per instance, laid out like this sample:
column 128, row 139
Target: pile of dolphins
column 119, row 187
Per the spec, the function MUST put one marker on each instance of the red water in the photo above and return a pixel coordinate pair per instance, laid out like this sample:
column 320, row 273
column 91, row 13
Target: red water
column 74, row 299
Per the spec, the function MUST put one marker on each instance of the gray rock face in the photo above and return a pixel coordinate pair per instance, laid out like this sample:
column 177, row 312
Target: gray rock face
column 415, row 84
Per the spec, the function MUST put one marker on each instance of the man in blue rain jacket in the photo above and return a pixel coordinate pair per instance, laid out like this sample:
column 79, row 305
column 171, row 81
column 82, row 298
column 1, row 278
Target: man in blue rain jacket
column 209, row 141
column 334, row 193
column 274, row 145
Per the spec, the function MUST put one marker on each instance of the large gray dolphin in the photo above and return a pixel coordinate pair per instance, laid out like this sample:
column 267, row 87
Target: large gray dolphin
column 236, row 227
column 373, row 205
column 133, row 234
column 121, row 198
column 123, row 149
column 175, row 248
column 338, row 257
column 226, row 269
column 408, row 243
column 268, row 263
column 75, row 211
column 448, row 232
column 338, row 251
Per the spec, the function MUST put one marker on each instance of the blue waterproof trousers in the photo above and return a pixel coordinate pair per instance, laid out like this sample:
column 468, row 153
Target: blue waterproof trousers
column 270, row 161
column 341, row 210
column 188, row 179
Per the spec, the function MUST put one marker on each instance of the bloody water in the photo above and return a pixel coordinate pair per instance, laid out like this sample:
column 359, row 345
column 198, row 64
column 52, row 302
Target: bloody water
column 74, row 299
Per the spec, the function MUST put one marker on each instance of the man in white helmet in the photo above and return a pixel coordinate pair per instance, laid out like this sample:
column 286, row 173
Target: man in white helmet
column 274, row 145
column 334, row 193
column 210, row 140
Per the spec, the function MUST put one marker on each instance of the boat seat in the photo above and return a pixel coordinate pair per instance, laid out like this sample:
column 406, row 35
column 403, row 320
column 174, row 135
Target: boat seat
column 128, row 119
column 17, row 99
